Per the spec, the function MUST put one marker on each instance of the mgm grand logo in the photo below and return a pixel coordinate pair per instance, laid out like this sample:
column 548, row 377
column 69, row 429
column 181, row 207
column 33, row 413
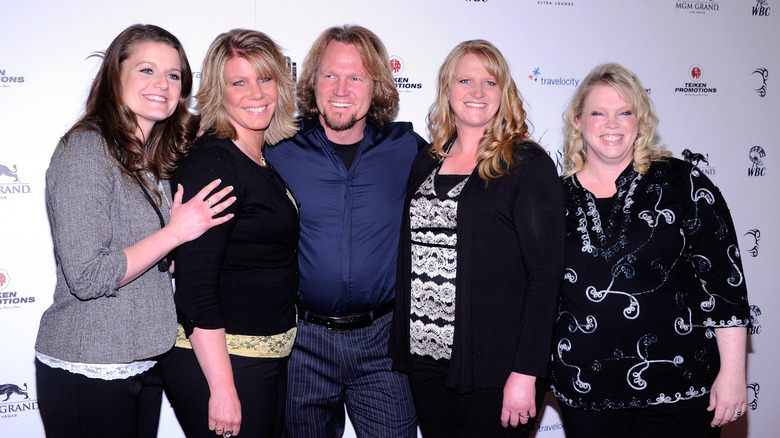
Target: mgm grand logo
column 9, row 181
column 16, row 400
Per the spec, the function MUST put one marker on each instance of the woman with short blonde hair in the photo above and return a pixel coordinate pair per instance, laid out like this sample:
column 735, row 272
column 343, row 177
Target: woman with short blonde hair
column 236, row 287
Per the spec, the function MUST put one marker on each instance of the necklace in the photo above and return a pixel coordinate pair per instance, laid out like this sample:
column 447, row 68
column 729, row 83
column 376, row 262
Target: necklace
column 247, row 150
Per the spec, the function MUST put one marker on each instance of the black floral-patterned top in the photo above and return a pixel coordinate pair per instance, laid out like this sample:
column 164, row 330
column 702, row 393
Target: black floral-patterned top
column 650, row 273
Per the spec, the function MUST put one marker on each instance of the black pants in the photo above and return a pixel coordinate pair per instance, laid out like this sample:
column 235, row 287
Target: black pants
column 75, row 406
column 444, row 413
column 689, row 419
column 261, row 385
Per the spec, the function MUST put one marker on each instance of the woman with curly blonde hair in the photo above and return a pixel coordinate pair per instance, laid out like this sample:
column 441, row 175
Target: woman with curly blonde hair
column 481, row 257
column 502, row 133
column 650, row 337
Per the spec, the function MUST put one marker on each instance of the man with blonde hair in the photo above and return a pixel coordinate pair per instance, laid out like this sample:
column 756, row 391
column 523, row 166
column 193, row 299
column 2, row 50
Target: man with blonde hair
column 348, row 167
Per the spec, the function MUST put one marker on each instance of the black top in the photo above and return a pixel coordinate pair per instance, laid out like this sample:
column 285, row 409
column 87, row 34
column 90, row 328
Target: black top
column 241, row 275
column 648, row 278
column 347, row 152
column 510, row 265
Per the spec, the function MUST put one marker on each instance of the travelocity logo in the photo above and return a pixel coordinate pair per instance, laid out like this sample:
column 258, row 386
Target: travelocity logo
column 552, row 80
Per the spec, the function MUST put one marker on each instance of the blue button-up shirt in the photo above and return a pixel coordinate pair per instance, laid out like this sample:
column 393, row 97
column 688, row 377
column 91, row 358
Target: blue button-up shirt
column 350, row 218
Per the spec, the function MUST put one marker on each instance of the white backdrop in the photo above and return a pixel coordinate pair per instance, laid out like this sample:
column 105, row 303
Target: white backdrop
column 706, row 64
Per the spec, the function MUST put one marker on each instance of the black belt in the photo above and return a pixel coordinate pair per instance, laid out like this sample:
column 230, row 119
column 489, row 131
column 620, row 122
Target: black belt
column 348, row 322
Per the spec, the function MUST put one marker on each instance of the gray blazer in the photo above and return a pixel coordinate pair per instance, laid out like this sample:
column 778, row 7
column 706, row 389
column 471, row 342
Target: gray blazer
column 95, row 212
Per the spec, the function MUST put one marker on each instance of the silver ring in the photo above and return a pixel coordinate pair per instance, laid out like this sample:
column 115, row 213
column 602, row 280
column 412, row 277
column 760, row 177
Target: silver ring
column 525, row 416
column 208, row 201
column 228, row 433
column 737, row 413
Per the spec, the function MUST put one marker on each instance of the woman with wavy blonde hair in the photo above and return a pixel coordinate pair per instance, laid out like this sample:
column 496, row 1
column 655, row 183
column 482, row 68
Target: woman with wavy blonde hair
column 481, row 257
column 650, row 338
column 502, row 133
column 236, row 286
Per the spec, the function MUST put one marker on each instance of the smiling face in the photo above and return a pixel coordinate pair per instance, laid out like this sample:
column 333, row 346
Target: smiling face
column 151, row 83
column 250, row 99
column 609, row 127
column 473, row 94
column 343, row 89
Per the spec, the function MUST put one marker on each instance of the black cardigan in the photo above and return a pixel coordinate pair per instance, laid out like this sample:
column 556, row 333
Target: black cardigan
column 510, row 265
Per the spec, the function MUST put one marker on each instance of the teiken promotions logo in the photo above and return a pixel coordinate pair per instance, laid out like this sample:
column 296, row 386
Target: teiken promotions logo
column 5, row 279
column 696, row 85
column 402, row 83
column 9, row 298
column 8, row 79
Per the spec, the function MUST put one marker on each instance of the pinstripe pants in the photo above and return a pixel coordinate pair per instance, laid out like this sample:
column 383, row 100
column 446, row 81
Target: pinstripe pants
column 328, row 369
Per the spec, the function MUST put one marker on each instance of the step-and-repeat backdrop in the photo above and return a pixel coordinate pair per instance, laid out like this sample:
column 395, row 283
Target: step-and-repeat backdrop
column 710, row 66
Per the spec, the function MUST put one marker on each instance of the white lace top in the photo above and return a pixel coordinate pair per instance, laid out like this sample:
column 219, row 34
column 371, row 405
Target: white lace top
column 100, row 371
column 433, row 219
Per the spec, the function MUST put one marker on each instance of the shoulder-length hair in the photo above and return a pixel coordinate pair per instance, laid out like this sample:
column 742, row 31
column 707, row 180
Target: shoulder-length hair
column 508, row 127
column 265, row 56
column 107, row 113
column 384, row 103
column 646, row 147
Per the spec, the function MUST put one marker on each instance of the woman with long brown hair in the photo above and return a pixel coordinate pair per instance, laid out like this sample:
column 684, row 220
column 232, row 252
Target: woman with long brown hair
column 114, row 222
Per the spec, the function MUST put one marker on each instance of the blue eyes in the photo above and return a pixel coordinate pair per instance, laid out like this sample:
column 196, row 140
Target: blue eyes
column 149, row 71
column 488, row 83
column 242, row 83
